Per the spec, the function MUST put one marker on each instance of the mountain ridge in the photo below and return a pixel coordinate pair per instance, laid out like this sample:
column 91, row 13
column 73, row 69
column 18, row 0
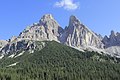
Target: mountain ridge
column 76, row 35
column 46, row 51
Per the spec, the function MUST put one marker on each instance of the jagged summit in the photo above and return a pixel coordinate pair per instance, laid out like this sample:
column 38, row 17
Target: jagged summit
column 112, row 40
column 112, row 33
column 76, row 35
column 46, row 29
column 48, row 16
column 73, row 20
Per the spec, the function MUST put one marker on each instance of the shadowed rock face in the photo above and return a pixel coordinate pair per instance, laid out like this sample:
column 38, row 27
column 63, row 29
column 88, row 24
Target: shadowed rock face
column 112, row 40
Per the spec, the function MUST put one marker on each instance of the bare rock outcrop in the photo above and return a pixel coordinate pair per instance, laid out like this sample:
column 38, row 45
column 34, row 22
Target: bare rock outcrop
column 112, row 40
column 3, row 43
column 46, row 29
column 78, row 35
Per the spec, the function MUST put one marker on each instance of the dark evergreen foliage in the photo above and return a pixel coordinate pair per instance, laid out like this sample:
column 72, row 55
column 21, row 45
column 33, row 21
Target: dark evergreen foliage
column 60, row 62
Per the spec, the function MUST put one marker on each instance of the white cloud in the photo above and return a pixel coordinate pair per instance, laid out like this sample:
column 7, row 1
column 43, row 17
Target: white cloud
column 67, row 4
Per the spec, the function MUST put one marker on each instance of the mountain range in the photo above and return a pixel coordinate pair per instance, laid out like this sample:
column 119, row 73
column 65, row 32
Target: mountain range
column 46, row 51
column 75, row 35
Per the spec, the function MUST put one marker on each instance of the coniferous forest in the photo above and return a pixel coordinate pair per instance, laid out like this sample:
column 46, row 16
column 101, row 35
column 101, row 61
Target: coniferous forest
column 59, row 62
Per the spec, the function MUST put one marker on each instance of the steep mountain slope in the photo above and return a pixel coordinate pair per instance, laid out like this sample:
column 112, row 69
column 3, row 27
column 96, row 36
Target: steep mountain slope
column 112, row 44
column 46, row 29
column 75, row 35
column 15, row 47
column 43, row 51
column 113, row 51
column 78, row 35
column 3, row 43
column 59, row 62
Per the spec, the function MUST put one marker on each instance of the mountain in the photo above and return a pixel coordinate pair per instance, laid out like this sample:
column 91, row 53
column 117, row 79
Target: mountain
column 56, row 61
column 46, row 29
column 46, row 51
column 112, row 40
column 78, row 35
column 75, row 35
column 112, row 44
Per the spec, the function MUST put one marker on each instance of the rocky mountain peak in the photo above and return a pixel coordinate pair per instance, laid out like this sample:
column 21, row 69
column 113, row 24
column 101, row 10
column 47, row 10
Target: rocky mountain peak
column 113, row 34
column 46, row 29
column 49, row 22
column 112, row 40
column 118, row 34
column 73, row 21
column 46, row 18
column 78, row 35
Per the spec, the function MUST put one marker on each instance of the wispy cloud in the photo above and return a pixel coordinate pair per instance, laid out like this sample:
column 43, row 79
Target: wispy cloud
column 68, row 4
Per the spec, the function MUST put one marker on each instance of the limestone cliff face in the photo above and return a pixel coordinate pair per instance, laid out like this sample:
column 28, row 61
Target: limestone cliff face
column 3, row 43
column 23, row 45
column 46, row 29
column 78, row 35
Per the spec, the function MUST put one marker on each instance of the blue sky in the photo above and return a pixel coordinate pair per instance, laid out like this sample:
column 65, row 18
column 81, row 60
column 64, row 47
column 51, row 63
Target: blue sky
column 101, row 16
